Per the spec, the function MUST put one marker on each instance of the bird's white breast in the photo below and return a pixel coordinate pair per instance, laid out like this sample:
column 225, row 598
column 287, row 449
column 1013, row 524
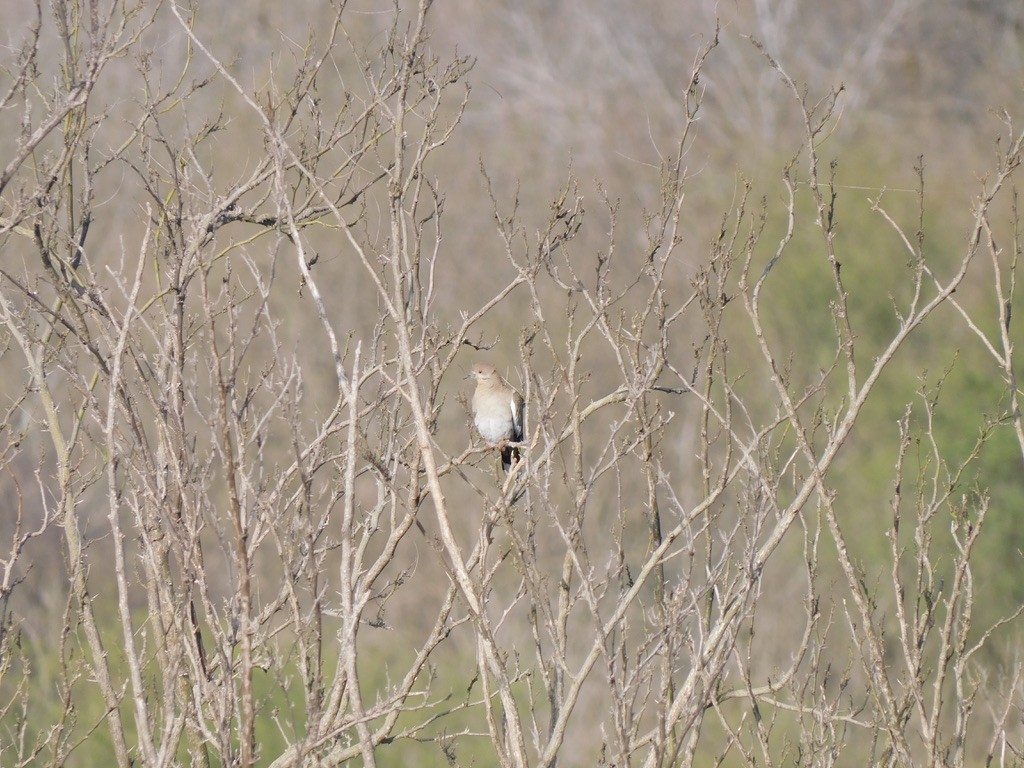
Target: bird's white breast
column 495, row 428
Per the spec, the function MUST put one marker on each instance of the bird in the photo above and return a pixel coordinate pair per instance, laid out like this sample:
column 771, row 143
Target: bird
column 497, row 412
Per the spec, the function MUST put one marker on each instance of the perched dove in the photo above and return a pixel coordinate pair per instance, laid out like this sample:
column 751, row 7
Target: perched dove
column 497, row 412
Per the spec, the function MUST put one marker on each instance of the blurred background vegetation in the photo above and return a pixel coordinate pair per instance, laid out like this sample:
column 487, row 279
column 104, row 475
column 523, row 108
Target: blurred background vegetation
column 592, row 89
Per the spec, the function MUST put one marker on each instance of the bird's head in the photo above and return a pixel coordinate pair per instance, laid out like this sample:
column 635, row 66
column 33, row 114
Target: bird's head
column 482, row 372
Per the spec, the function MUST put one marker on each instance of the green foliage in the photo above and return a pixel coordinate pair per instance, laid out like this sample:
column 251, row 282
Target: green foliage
column 943, row 365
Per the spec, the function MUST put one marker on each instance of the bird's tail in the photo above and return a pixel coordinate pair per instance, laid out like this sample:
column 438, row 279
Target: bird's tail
column 509, row 456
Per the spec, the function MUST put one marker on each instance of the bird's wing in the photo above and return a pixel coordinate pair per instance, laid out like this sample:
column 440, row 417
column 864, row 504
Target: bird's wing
column 516, row 405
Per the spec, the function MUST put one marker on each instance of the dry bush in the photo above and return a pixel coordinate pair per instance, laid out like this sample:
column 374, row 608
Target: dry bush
column 235, row 445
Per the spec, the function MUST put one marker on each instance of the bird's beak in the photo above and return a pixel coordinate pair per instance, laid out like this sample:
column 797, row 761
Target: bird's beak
column 468, row 376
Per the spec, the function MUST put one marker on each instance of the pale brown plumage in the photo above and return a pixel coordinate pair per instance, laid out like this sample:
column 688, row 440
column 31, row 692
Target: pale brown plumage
column 497, row 412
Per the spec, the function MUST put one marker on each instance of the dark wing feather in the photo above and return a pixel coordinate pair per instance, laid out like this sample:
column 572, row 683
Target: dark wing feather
column 510, row 454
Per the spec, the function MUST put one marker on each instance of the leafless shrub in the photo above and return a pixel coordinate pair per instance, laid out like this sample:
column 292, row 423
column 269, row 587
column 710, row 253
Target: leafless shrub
column 233, row 413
